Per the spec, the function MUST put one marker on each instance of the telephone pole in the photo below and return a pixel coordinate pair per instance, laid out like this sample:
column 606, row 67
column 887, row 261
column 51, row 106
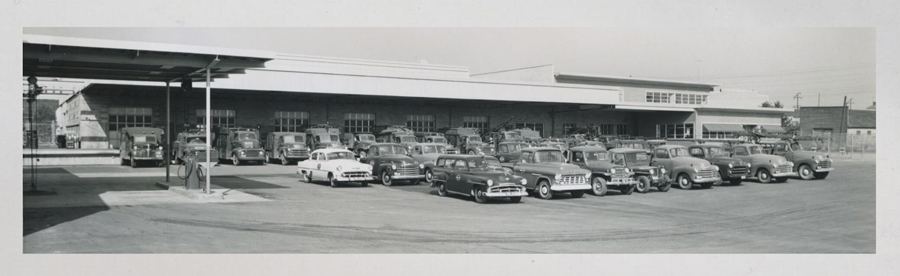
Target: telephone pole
column 797, row 97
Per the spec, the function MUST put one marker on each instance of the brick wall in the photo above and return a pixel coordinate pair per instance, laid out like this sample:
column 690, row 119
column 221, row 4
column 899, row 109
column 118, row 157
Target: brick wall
column 820, row 117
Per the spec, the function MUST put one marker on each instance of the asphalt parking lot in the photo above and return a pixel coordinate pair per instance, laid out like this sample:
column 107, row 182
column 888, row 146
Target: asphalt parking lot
column 117, row 209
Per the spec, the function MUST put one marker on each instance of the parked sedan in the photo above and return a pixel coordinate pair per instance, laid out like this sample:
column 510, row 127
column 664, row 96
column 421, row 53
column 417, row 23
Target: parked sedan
column 334, row 166
column 481, row 177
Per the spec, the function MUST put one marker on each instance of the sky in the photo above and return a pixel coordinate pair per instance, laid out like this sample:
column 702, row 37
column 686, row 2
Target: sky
column 822, row 64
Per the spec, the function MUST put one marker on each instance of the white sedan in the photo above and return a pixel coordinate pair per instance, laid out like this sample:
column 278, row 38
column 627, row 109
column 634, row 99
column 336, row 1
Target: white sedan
column 334, row 165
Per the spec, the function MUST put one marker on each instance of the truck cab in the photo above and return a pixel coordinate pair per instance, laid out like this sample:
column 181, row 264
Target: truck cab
column 468, row 141
column 141, row 145
column 808, row 164
column 287, row 147
column 322, row 137
column 192, row 143
column 683, row 168
column 240, row 145
column 397, row 134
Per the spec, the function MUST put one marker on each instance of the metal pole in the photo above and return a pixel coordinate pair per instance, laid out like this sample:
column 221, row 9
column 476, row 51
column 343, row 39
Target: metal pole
column 31, row 137
column 168, row 149
column 208, row 129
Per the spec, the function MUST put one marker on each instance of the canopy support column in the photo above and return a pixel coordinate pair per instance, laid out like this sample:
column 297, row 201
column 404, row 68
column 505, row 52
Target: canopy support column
column 208, row 130
column 168, row 148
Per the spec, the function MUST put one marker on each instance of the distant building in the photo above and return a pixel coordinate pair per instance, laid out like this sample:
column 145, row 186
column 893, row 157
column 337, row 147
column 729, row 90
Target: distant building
column 825, row 120
column 871, row 107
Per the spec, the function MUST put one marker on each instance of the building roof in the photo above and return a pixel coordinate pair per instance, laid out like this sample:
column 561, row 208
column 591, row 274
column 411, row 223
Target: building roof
column 862, row 119
column 620, row 79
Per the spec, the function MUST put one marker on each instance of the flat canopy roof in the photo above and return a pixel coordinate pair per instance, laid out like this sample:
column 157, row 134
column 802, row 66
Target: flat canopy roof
column 728, row 128
column 619, row 79
column 81, row 58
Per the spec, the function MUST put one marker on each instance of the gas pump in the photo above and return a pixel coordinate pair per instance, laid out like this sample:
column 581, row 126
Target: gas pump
column 192, row 172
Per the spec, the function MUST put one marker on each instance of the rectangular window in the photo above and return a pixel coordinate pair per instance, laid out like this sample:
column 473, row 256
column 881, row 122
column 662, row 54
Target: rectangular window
column 479, row 122
column 569, row 128
column 606, row 129
column 420, row 123
column 676, row 98
column 122, row 117
column 675, row 131
column 359, row 122
column 622, row 129
column 219, row 117
column 539, row 127
column 293, row 121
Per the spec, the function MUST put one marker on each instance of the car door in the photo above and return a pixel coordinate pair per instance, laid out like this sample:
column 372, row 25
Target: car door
column 522, row 168
column 661, row 157
column 460, row 168
column 741, row 153
column 577, row 158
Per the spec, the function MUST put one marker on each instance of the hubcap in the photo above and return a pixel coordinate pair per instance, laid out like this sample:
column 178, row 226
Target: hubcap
column 544, row 189
column 684, row 181
column 806, row 172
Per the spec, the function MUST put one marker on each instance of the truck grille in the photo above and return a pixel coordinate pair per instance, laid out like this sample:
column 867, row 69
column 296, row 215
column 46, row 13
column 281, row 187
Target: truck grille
column 355, row 174
column 786, row 168
column 505, row 189
column 252, row 153
column 620, row 174
column 298, row 152
column 405, row 171
column 707, row 173
column 824, row 164
column 739, row 170
column 572, row 180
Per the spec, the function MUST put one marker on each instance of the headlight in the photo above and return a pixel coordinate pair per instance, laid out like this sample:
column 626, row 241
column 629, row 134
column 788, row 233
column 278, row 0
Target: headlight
column 135, row 147
column 421, row 166
column 652, row 171
column 612, row 171
column 558, row 177
column 393, row 166
column 490, row 183
column 716, row 168
column 339, row 168
column 160, row 147
column 662, row 170
column 696, row 170
column 587, row 175
column 627, row 170
column 524, row 181
column 731, row 165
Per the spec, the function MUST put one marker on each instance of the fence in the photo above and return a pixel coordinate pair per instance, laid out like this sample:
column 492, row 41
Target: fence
column 46, row 135
column 842, row 143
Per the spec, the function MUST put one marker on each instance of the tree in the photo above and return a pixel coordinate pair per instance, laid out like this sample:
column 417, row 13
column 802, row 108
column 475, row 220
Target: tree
column 790, row 123
column 778, row 104
column 769, row 104
column 766, row 104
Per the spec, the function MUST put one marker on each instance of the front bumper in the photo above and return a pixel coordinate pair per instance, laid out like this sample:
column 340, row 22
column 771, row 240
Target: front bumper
column 506, row 191
column 354, row 177
column 576, row 187
column 656, row 180
column 706, row 180
column 144, row 158
column 621, row 182
column 297, row 156
column 244, row 158
column 823, row 169
column 784, row 174
column 406, row 177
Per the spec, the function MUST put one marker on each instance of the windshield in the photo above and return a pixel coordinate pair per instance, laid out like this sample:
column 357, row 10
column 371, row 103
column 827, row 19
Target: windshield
column 716, row 152
column 144, row 139
column 433, row 149
column 635, row 146
column 367, row 138
column 678, row 152
column 391, row 149
column 439, row 140
column 486, row 164
column 292, row 139
column 548, row 156
column 755, row 150
column 593, row 156
column 246, row 136
column 516, row 147
column 328, row 138
column 513, row 135
column 338, row 155
column 632, row 158
column 407, row 139
column 197, row 140
column 474, row 139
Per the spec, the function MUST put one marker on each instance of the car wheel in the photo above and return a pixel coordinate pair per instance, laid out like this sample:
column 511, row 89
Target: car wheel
column 134, row 163
column 598, row 186
column 363, row 154
column 471, row 152
column 235, row 161
column 332, row 181
column 543, row 190
column 820, row 175
column 305, row 178
column 764, row 176
column 643, row 184
column 480, row 197
column 664, row 187
column 627, row 190
column 781, row 179
column 806, row 172
column 386, row 178
column 441, row 189
column 735, row 181
column 515, row 199
column 684, row 182
column 721, row 179
column 577, row 194
column 429, row 176
column 268, row 157
column 284, row 160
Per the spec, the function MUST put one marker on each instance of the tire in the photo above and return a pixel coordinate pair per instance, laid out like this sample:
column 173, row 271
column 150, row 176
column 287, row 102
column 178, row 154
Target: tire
column 627, row 190
column 285, row 161
column 441, row 189
column 331, row 181
column 764, row 176
column 429, row 176
column 515, row 199
column 480, row 197
column 235, row 161
column 684, row 182
column 133, row 163
column 305, row 178
column 735, row 181
column 268, row 157
column 543, row 190
column 806, row 172
column 781, row 179
column 577, row 194
column 386, row 179
column 643, row 184
column 598, row 186
column 820, row 175
column 664, row 187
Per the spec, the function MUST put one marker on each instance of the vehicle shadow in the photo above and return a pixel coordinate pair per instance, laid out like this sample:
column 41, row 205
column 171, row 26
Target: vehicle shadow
column 340, row 185
column 472, row 199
